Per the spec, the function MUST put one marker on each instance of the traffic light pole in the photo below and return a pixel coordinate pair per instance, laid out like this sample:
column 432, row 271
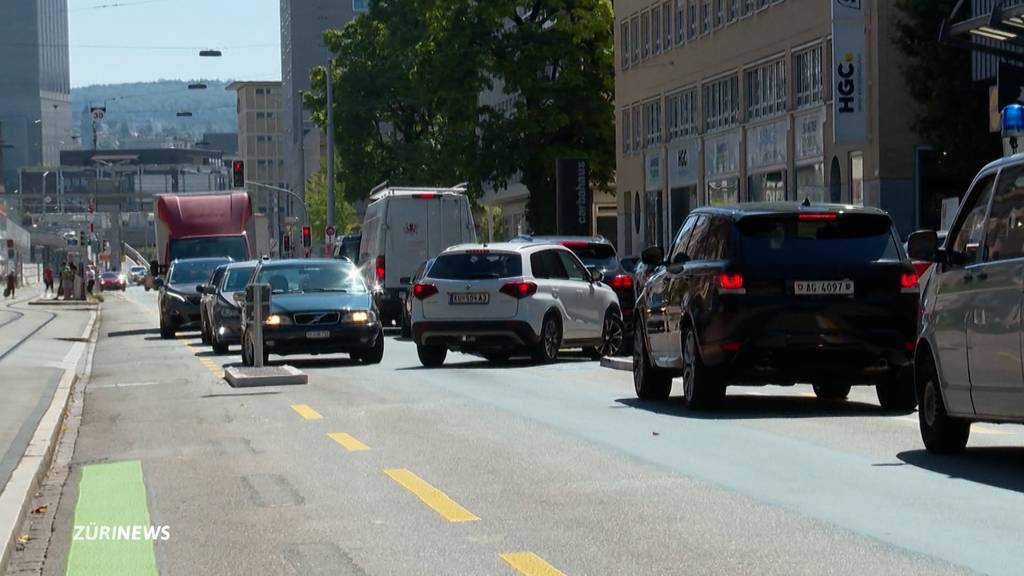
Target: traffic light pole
column 330, row 142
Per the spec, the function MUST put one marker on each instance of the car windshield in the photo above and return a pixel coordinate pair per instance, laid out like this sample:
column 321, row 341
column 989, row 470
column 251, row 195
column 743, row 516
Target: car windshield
column 109, row 275
column 230, row 246
column 236, row 278
column 845, row 241
column 192, row 272
column 312, row 277
column 598, row 255
column 476, row 265
column 138, row 270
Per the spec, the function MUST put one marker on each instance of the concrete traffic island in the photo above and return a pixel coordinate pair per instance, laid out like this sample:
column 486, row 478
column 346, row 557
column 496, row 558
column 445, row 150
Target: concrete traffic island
column 251, row 376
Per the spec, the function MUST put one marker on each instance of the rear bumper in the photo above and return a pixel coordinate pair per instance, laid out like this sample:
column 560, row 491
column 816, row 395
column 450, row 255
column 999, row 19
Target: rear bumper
column 475, row 335
column 342, row 339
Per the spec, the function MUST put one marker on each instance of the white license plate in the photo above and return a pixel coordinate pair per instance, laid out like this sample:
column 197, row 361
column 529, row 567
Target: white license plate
column 469, row 298
column 319, row 335
column 823, row 288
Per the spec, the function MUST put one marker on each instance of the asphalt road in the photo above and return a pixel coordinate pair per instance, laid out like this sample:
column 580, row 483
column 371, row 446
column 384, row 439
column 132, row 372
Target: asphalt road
column 477, row 470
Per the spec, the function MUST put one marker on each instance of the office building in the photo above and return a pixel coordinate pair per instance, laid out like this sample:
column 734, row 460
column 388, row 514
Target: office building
column 303, row 23
column 35, row 88
column 726, row 101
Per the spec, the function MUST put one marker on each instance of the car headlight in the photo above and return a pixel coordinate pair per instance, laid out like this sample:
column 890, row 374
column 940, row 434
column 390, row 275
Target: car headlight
column 277, row 320
column 121, row 277
column 361, row 317
column 176, row 296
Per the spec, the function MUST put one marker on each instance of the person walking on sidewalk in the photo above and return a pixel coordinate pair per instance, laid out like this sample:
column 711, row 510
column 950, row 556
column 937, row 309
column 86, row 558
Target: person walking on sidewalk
column 47, row 280
column 12, row 283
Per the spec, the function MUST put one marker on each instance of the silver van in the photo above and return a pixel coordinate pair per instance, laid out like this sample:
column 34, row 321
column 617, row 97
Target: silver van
column 968, row 365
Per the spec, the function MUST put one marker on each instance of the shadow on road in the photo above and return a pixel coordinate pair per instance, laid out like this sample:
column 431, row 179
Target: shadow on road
column 745, row 407
column 139, row 332
column 1000, row 467
column 212, row 354
column 482, row 364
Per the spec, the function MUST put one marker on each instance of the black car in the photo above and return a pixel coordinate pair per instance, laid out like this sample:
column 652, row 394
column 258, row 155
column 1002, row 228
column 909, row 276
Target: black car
column 221, row 314
column 204, row 300
column 317, row 307
column 598, row 254
column 779, row 293
column 178, row 300
column 407, row 296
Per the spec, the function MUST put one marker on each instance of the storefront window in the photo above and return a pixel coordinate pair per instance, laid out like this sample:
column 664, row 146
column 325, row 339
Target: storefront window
column 724, row 191
column 810, row 182
column 654, row 230
column 857, row 178
column 682, row 201
column 767, row 187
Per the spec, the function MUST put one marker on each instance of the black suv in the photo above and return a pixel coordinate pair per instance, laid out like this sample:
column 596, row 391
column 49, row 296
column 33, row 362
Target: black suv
column 779, row 293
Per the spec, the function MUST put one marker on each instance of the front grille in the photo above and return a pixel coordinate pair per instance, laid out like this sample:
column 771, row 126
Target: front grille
column 317, row 318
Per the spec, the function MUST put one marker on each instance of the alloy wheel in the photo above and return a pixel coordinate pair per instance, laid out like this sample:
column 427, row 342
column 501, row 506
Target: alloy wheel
column 551, row 339
column 689, row 364
column 612, row 337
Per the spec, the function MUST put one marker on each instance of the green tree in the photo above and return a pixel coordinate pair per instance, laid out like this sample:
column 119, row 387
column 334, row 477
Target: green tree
column 345, row 219
column 952, row 111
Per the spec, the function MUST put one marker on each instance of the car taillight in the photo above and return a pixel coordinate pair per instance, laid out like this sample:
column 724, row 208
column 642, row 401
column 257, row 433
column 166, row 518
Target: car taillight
column 818, row 216
column 423, row 291
column 908, row 280
column 621, row 282
column 921, row 268
column 519, row 290
column 731, row 281
column 380, row 268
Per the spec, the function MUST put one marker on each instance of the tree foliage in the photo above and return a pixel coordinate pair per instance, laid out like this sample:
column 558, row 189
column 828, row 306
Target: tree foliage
column 345, row 219
column 408, row 77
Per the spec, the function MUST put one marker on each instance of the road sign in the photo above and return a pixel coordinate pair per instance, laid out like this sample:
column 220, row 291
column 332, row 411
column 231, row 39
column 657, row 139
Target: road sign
column 98, row 113
column 329, row 232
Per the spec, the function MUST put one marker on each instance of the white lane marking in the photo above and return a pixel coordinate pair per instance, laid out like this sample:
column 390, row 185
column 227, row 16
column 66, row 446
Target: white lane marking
column 128, row 385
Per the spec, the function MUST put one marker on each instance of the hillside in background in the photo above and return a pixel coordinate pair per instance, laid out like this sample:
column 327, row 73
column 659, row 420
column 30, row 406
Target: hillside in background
column 145, row 113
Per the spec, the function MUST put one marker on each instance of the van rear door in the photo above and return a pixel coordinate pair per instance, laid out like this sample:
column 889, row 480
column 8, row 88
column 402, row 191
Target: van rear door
column 407, row 239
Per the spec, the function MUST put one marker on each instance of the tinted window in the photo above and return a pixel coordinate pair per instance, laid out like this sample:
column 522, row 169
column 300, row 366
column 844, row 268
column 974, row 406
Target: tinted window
column 192, row 272
column 476, row 266
column 237, row 278
column 710, row 239
column 547, row 265
column 972, row 226
column 849, row 240
column 218, row 273
column 232, row 247
column 1004, row 236
column 697, row 248
column 572, row 267
column 311, row 277
column 599, row 255
column 683, row 238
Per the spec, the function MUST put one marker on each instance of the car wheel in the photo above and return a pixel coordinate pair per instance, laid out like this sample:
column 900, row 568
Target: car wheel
column 941, row 433
column 497, row 356
column 166, row 331
column 612, row 338
column 431, row 356
column 219, row 347
column 897, row 394
column 373, row 355
column 204, row 330
column 700, row 390
column 546, row 350
column 650, row 382
column 406, row 327
column 832, row 392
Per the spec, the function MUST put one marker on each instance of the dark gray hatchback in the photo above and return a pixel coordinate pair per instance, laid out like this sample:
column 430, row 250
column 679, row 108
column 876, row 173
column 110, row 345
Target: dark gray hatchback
column 779, row 294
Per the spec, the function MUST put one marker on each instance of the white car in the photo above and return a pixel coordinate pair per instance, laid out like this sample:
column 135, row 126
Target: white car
column 499, row 299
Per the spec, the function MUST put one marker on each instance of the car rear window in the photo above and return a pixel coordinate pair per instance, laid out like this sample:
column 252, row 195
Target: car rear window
column 476, row 266
column 600, row 255
column 847, row 240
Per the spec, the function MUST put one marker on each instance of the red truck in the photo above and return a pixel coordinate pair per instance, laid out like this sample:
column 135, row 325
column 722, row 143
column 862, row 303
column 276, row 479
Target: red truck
column 202, row 226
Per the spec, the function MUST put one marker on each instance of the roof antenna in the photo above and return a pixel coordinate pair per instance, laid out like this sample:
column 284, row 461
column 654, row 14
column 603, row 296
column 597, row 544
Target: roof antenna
column 807, row 202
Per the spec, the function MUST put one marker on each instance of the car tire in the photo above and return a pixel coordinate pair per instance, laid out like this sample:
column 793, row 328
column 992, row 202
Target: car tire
column 701, row 390
column 204, row 331
column 374, row 355
column 497, row 357
column 166, row 331
column 897, row 394
column 613, row 339
column 546, row 349
column 941, row 433
column 219, row 347
column 832, row 392
column 406, row 327
column 650, row 382
column 431, row 356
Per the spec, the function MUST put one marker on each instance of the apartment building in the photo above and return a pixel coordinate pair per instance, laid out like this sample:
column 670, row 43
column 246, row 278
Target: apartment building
column 261, row 132
column 728, row 101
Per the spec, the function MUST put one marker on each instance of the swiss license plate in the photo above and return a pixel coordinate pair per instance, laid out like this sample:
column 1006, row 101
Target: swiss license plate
column 823, row 288
column 470, row 298
column 319, row 335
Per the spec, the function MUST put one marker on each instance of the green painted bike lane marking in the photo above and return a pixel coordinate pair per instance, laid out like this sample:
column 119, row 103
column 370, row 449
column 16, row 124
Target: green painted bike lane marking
column 110, row 496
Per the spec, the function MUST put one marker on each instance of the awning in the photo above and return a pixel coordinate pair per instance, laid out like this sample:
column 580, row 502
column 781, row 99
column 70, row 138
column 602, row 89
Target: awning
column 998, row 31
column 114, row 157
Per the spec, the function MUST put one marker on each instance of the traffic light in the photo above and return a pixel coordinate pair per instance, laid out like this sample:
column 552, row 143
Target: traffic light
column 286, row 242
column 307, row 236
column 238, row 174
column 81, row 238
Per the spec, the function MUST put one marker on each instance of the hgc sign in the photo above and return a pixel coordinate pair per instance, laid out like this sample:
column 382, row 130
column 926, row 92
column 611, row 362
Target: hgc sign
column 848, row 73
column 846, row 86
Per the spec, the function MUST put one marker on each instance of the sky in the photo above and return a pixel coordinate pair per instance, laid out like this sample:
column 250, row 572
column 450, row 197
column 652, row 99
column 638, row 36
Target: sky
column 115, row 41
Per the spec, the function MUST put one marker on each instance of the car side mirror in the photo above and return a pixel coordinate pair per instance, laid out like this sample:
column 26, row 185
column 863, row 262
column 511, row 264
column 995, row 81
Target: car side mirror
column 201, row 288
column 239, row 298
column 158, row 283
column 653, row 256
column 154, row 268
column 923, row 245
column 680, row 258
column 596, row 275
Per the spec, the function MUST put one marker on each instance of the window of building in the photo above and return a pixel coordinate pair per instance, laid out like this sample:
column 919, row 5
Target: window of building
column 721, row 103
column 634, row 26
column 261, row 115
column 666, row 26
column 808, row 78
column 691, row 22
column 652, row 122
column 762, row 4
column 624, row 44
column 748, row 7
column 645, row 34
column 680, row 22
column 681, row 109
column 857, row 178
column 705, row 17
column 766, row 90
column 260, row 91
column 636, row 128
column 656, row 29
column 732, row 12
column 719, row 13
column 360, row 6
column 626, row 142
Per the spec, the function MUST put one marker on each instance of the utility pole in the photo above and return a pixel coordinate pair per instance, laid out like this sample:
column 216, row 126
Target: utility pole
column 330, row 143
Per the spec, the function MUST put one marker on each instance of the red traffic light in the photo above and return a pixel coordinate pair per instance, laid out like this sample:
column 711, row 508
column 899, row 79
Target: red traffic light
column 307, row 236
column 238, row 174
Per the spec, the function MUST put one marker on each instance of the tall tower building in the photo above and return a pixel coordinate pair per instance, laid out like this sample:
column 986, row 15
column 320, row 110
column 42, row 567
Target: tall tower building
column 303, row 23
column 35, row 88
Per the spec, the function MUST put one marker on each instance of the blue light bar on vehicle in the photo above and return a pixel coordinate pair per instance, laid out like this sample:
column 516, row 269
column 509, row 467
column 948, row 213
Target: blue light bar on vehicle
column 1013, row 121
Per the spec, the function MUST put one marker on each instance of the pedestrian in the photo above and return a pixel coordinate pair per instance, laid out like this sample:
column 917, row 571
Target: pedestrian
column 67, row 281
column 47, row 280
column 90, row 274
column 12, row 282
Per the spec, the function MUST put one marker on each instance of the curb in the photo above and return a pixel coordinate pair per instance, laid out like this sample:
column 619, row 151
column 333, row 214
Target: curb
column 625, row 364
column 16, row 497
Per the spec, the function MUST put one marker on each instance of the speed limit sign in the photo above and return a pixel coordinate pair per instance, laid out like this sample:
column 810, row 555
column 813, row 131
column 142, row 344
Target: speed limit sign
column 329, row 232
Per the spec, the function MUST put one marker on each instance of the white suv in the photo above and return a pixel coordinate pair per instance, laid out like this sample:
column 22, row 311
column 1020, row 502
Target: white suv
column 499, row 299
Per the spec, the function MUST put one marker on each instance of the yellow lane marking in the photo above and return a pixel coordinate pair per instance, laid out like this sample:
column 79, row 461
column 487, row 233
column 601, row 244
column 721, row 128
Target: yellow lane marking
column 439, row 501
column 986, row 430
column 346, row 440
column 529, row 564
column 306, row 412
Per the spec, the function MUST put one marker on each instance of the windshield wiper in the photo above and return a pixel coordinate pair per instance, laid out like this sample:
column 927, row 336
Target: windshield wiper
column 327, row 290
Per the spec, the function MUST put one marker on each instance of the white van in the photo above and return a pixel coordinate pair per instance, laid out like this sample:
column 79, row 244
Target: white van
column 402, row 228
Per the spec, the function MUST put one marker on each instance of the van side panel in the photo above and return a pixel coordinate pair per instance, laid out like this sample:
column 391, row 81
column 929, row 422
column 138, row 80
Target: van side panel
column 369, row 246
